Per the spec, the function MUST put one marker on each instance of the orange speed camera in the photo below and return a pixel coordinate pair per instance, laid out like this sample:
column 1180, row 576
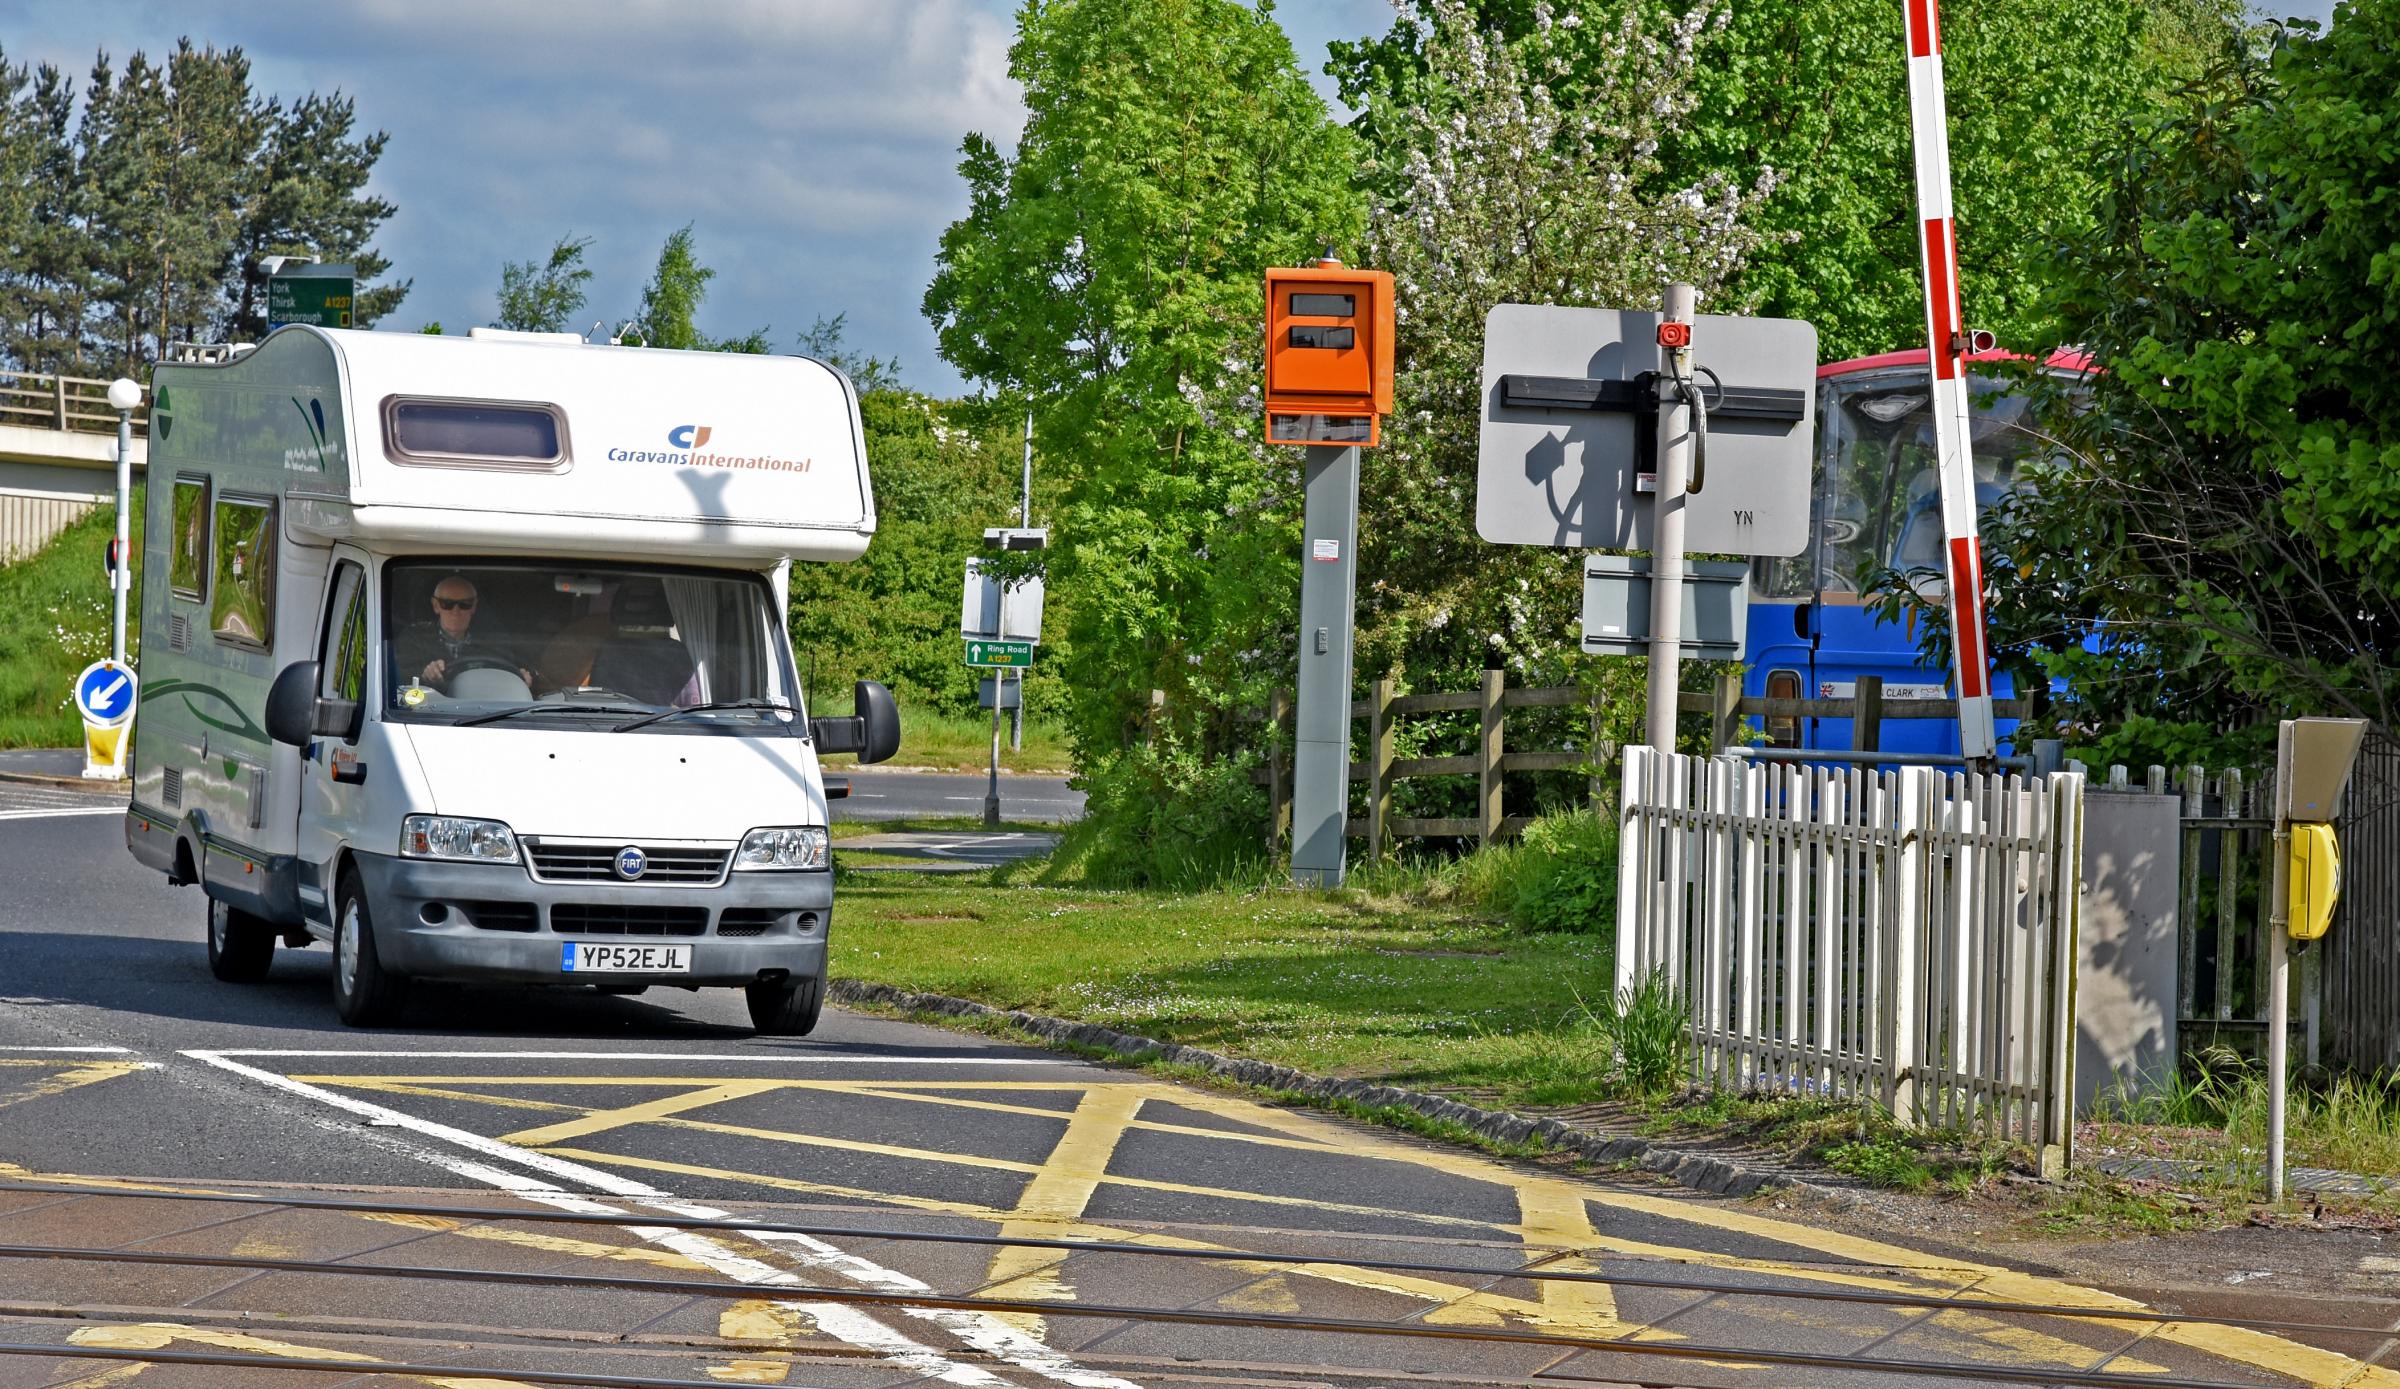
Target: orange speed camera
column 1329, row 354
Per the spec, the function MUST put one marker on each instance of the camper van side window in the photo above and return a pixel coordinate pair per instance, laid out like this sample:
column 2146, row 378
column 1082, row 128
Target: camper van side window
column 241, row 607
column 188, row 573
column 474, row 433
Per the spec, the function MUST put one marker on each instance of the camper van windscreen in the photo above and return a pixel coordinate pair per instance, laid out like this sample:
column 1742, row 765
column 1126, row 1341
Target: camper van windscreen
column 474, row 432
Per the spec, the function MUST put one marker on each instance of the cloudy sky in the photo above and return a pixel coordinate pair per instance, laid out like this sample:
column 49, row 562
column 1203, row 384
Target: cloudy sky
column 812, row 143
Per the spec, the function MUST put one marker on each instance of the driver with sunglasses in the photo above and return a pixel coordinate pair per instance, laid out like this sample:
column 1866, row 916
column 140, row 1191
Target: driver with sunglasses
column 429, row 651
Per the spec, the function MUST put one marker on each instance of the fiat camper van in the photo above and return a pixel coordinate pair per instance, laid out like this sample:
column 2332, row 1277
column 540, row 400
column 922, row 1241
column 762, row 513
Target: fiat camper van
column 469, row 657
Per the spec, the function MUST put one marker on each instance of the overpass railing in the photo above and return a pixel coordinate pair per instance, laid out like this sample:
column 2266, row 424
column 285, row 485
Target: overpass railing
column 47, row 400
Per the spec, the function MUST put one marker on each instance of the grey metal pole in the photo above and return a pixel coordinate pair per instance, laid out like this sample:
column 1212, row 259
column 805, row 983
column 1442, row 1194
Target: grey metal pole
column 2279, row 961
column 991, row 791
column 1016, row 739
column 1328, row 600
column 122, row 580
column 1666, row 542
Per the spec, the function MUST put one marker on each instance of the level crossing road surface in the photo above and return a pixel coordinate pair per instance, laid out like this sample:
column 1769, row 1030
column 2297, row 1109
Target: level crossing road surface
column 536, row 1187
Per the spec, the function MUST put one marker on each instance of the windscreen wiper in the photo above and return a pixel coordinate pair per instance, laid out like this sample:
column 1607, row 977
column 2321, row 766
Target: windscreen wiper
column 550, row 707
column 664, row 714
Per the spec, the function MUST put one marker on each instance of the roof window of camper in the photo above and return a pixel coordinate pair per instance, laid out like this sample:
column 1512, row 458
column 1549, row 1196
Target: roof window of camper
column 474, row 433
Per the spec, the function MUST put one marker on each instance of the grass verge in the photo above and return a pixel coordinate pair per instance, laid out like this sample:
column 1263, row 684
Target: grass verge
column 1332, row 984
column 956, row 743
column 54, row 617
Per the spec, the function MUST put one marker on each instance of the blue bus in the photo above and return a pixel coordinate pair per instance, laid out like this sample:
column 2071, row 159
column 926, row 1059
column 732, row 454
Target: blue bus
column 1877, row 504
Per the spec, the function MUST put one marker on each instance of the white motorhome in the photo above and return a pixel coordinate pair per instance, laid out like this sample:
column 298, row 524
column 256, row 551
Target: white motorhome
column 470, row 657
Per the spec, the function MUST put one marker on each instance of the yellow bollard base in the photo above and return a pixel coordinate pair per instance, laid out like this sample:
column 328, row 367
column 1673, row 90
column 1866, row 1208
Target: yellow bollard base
column 104, row 750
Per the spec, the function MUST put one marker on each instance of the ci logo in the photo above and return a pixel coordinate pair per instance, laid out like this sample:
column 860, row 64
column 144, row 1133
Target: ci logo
column 688, row 436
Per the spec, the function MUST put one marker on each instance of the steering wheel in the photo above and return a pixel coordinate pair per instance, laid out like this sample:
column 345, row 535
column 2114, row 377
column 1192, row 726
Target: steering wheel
column 466, row 663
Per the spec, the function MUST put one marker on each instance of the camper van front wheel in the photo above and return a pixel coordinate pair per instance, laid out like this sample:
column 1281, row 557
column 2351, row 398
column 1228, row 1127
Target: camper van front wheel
column 364, row 992
column 240, row 946
column 786, row 1007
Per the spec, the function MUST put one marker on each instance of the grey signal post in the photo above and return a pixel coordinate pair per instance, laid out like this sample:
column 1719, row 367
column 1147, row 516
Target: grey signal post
column 1666, row 558
column 1328, row 596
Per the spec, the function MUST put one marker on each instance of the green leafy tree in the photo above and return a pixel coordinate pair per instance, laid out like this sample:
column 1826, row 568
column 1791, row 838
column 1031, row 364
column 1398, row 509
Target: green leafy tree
column 1490, row 191
column 823, row 340
column 943, row 471
column 1109, row 271
column 2227, row 529
column 671, row 302
column 1817, row 92
column 544, row 297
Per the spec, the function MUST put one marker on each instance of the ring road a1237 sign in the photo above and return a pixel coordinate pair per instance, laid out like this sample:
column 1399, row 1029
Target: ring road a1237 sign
column 998, row 654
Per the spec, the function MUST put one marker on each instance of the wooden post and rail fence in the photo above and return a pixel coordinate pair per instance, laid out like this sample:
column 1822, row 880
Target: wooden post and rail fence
column 71, row 404
column 1489, row 758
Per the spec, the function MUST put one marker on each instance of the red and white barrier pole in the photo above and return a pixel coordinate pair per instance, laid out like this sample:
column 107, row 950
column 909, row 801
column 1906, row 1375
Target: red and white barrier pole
column 1948, row 338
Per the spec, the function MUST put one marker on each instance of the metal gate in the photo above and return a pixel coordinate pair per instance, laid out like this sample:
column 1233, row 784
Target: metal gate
column 1905, row 937
column 2362, row 951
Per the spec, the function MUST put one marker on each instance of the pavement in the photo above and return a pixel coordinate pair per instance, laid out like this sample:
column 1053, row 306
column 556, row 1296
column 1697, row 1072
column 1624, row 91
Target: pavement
column 1319, row 1252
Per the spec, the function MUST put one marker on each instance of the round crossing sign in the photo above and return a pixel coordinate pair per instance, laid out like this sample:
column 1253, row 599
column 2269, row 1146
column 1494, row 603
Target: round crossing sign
column 104, row 693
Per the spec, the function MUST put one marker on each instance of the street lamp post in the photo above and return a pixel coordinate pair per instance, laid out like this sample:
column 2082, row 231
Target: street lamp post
column 124, row 395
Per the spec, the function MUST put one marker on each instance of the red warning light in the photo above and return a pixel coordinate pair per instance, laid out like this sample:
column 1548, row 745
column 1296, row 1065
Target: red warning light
column 1674, row 335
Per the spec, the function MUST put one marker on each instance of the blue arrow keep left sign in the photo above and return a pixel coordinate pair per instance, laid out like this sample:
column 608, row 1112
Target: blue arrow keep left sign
column 104, row 693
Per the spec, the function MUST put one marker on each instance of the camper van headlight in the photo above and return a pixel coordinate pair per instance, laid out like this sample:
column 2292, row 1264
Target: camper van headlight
column 786, row 847
column 447, row 836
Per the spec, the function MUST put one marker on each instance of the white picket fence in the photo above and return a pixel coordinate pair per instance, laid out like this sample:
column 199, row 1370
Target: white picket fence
column 1903, row 936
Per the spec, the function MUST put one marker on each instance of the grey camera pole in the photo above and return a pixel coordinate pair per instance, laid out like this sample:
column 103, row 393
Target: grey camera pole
column 1328, row 596
column 1666, row 548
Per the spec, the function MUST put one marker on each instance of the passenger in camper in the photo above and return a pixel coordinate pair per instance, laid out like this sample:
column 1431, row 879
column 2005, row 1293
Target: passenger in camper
column 433, row 651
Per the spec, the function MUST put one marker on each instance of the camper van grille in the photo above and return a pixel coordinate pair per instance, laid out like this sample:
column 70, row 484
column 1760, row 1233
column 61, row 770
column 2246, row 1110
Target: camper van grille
column 612, row 919
column 172, row 791
column 685, row 865
column 179, row 632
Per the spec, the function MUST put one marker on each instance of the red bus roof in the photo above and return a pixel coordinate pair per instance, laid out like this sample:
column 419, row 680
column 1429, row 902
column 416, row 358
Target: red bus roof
column 2062, row 360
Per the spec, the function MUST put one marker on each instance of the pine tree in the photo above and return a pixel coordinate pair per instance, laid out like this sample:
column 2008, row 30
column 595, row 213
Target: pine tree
column 51, row 269
column 308, row 199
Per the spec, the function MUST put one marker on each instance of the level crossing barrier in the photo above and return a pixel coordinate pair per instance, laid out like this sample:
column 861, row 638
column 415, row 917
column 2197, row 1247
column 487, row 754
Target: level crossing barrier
column 1900, row 936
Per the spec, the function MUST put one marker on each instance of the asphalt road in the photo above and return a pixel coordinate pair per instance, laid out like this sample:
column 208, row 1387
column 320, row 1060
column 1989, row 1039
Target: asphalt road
column 875, row 794
column 127, row 1071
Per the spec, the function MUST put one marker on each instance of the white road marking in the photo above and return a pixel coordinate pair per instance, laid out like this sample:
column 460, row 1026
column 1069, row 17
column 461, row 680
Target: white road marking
column 61, row 811
column 980, row 1329
column 797, row 1059
column 113, row 1051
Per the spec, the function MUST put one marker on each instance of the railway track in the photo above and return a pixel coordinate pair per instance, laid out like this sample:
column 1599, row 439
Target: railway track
column 1254, row 1343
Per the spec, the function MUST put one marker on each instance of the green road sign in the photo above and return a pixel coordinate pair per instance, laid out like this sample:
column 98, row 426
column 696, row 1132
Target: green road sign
column 320, row 301
column 999, row 653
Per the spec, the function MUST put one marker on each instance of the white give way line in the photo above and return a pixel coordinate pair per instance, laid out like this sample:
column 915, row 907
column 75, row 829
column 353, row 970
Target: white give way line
column 978, row 1329
column 60, row 811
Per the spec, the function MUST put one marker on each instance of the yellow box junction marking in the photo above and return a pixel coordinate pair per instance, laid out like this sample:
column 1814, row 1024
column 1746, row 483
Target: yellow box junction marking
column 160, row 1335
column 62, row 1076
column 1545, row 1224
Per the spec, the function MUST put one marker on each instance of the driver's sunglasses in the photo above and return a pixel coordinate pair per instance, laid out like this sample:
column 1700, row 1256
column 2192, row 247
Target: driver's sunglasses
column 451, row 605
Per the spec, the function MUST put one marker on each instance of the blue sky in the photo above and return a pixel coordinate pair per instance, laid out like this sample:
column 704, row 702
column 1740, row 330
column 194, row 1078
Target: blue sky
column 812, row 143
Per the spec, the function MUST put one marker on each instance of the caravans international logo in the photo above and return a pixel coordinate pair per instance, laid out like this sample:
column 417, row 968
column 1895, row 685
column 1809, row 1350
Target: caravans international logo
column 687, row 447
column 162, row 416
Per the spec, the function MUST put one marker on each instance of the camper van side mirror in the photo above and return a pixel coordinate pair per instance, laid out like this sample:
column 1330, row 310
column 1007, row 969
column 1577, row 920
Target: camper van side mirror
column 295, row 714
column 879, row 716
column 292, row 704
column 873, row 731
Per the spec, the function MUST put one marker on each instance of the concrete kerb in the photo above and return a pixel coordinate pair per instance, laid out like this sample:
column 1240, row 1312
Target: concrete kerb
column 1700, row 1171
